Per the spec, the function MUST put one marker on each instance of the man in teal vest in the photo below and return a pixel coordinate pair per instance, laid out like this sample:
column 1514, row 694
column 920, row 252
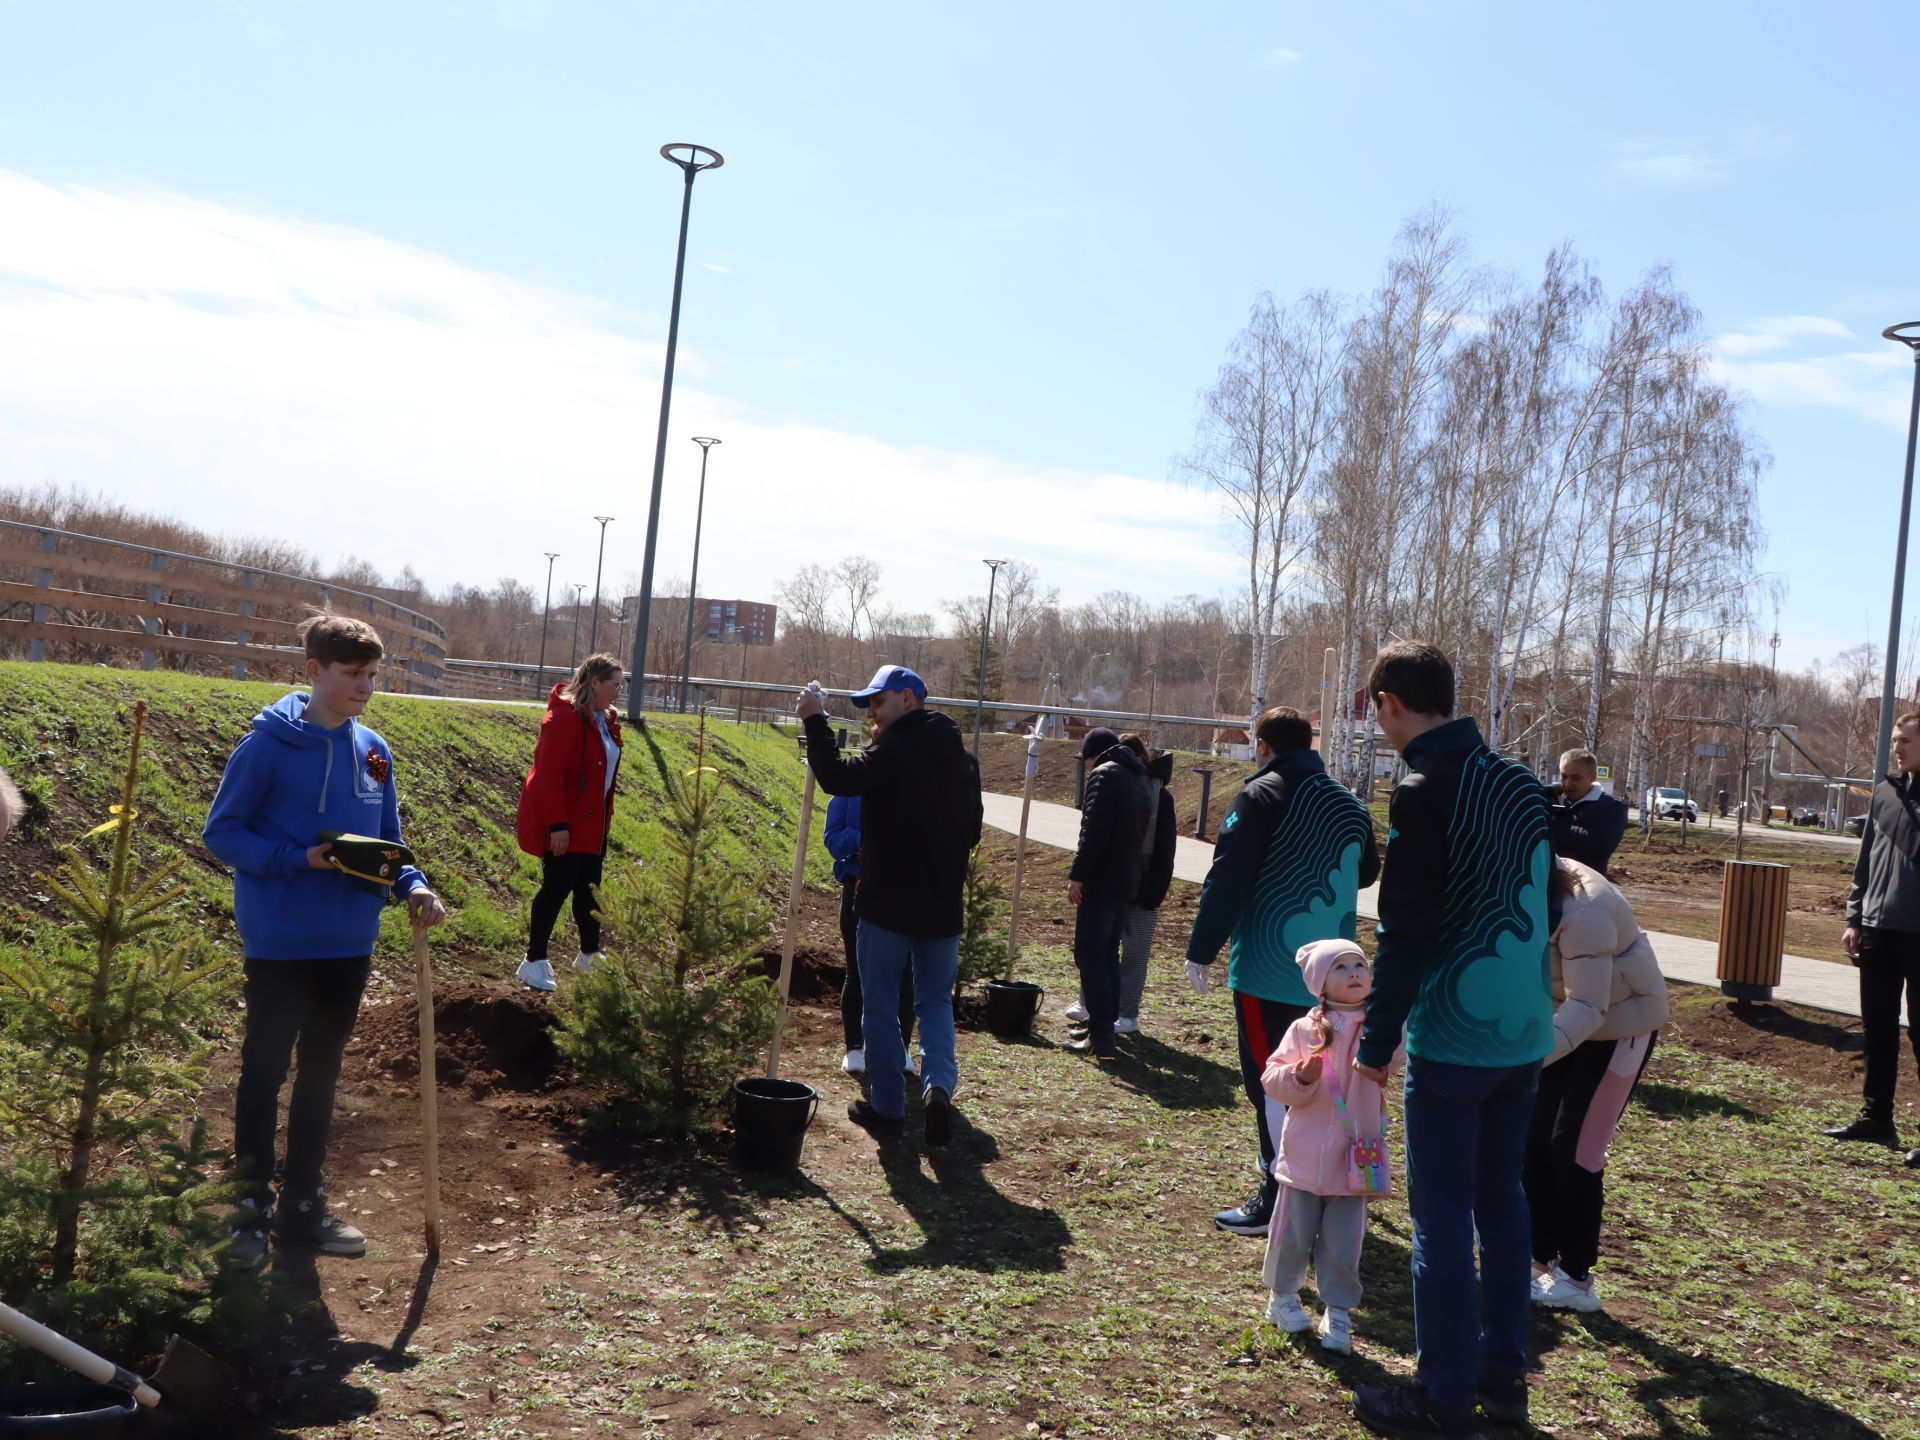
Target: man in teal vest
column 1288, row 866
column 1462, row 967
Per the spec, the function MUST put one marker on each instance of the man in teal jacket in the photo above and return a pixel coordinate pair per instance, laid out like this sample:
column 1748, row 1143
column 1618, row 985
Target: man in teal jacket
column 1291, row 857
column 1462, row 965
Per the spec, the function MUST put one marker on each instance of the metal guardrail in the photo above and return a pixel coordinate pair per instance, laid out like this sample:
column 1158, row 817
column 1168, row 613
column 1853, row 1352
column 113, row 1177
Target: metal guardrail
column 416, row 643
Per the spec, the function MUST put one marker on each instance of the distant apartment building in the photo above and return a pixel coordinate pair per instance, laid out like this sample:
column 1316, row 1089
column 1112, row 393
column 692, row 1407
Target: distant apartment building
column 724, row 622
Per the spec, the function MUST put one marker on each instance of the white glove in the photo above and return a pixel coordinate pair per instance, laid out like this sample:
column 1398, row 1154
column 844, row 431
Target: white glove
column 1198, row 976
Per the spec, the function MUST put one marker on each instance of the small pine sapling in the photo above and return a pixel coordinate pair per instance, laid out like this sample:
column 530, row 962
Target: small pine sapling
column 680, row 1008
column 983, row 941
column 104, row 1041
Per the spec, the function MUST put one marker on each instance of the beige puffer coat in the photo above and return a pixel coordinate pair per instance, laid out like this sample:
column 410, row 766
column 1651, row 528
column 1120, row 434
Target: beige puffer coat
column 1606, row 982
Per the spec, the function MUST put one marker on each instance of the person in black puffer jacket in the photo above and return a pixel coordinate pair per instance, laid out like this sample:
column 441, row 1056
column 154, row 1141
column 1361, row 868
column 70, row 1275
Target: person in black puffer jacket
column 920, row 818
column 1116, row 815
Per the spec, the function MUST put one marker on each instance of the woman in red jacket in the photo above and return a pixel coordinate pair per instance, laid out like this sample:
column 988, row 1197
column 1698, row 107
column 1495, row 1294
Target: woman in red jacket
column 566, row 806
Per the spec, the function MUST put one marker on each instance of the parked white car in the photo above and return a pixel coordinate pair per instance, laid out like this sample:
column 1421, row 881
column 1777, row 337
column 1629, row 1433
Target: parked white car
column 1664, row 802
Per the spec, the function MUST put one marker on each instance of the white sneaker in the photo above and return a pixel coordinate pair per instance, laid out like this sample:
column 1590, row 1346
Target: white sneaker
column 912, row 1065
column 535, row 974
column 854, row 1062
column 1561, row 1293
column 584, row 961
column 1288, row 1313
column 1124, row 1026
column 1336, row 1331
column 1077, row 1013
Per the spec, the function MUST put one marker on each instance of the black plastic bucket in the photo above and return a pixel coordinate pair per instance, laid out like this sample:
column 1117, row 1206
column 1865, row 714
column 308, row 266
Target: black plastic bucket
column 1011, row 1006
column 73, row 1409
column 770, row 1120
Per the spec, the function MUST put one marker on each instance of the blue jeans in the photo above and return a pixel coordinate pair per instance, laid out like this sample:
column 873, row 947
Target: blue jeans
column 885, row 957
column 1466, row 1148
column 1097, row 928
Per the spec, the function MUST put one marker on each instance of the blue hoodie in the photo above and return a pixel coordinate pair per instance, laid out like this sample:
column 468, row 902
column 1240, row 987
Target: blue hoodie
column 286, row 782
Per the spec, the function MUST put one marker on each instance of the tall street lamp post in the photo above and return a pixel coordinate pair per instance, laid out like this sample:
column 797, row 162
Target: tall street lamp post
column 1909, row 336
column 706, row 444
column 695, row 159
column 593, row 630
column 579, row 589
column 546, row 610
column 986, row 634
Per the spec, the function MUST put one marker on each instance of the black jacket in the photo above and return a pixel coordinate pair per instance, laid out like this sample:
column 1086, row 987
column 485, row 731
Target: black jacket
column 920, row 813
column 1115, row 817
column 1588, row 832
column 1163, row 837
column 1885, row 894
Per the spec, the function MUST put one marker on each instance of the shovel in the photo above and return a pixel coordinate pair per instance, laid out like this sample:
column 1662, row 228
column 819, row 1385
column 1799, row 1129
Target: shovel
column 193, row 1380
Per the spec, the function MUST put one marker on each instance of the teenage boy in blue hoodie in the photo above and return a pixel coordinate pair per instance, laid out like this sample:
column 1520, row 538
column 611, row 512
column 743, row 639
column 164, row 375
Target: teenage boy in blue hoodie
column 306, row 928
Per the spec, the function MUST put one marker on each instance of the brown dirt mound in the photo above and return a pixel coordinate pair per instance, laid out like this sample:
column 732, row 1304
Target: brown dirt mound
column 485, row 1039
column 817, row 974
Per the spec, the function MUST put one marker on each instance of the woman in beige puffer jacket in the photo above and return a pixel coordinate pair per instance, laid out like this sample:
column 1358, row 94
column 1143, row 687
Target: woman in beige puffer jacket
column 1610, row 1000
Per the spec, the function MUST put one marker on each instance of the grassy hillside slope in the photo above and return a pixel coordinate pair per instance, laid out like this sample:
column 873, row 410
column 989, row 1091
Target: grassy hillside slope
column 63, row 736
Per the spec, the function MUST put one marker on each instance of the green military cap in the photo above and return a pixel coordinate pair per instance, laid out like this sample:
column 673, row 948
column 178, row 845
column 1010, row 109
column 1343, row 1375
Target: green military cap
column 366, row 857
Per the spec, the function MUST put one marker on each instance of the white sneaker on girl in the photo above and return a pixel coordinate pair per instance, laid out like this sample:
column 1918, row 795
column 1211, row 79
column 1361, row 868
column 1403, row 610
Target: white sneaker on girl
column 1564, row 1293
column 1286, row 1311
column 535, row 974
column 584, row 961
column 1336, row 1331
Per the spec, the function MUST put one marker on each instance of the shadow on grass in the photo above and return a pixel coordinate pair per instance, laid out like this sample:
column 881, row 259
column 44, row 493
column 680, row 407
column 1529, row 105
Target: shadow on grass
column 1681, row 1103
column 1789, row 1026
column 1694, row 1395
column 298, row 1365
column 701, row 1178
column 1174, row 1079
column 968, row 1224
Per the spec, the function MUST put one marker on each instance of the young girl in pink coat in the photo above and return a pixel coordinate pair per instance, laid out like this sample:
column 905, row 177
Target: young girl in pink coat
column 1332, row 1156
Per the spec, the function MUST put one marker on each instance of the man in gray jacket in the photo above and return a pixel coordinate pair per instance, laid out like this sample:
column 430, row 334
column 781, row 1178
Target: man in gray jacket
column 1883, row 936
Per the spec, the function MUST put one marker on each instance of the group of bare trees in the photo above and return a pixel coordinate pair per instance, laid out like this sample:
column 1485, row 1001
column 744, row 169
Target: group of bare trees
column 1546, row 484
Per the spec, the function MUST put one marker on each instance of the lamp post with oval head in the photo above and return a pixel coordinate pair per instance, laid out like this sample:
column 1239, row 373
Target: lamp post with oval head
column 695, row 159
column 1909, row 336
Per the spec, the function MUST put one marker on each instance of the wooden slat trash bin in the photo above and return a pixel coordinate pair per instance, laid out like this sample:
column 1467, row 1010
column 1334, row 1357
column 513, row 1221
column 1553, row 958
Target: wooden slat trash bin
column 1753, row 928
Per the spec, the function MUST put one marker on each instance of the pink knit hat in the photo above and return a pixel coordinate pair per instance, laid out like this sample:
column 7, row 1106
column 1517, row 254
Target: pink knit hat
column 1316, row 961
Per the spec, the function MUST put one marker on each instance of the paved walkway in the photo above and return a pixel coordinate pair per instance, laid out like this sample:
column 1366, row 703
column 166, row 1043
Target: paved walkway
column 1818, row 983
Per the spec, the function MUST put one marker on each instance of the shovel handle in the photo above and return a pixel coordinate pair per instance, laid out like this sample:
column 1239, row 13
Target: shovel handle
column 429, row 1087
column 76, row 1358
column 792, row 927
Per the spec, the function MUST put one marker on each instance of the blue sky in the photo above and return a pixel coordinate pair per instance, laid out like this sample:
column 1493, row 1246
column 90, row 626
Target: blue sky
column 978, row 261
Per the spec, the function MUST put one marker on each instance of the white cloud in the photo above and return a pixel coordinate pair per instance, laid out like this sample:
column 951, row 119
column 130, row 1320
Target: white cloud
column 1870, row 383
column 255, row 374
column 1279, row 59
column 1669, row 164
column 1777, row 333
column 1682, row 162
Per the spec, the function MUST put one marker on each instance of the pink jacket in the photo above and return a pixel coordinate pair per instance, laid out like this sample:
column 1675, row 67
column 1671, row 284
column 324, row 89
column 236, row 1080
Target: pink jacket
column 1313, row 1143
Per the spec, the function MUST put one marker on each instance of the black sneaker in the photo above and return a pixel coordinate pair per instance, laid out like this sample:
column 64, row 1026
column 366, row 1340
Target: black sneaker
column 862, row 1113
column 1867, row 1130
column 1504, row 1401
column 1086, row 1046
column 247, row 1243
column 1404, row 1412
column 307, row 1221
column 1913, row 1159
column 1255, row 1216
column 939, row 1118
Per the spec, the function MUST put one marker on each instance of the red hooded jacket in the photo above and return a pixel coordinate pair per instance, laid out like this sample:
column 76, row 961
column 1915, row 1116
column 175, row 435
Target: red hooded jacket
column 567, row 784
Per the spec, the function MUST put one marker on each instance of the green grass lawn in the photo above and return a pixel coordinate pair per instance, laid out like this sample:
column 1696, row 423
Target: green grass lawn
column 1056, row 1272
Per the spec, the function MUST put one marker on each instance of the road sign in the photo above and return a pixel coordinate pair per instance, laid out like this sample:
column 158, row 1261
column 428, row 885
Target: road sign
column 1603, row 772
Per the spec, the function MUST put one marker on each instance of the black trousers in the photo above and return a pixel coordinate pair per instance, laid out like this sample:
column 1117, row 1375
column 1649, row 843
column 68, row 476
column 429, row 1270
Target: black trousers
column 851, row 995
column 1889, row 964
column 1261, row 1023
column 1581, row 1098
column 562, row 876
column 294, row 1007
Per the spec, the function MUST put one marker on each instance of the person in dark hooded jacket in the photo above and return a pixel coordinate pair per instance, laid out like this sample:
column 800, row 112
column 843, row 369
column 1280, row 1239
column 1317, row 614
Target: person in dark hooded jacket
column 1116, row 823
column 1143, row 915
